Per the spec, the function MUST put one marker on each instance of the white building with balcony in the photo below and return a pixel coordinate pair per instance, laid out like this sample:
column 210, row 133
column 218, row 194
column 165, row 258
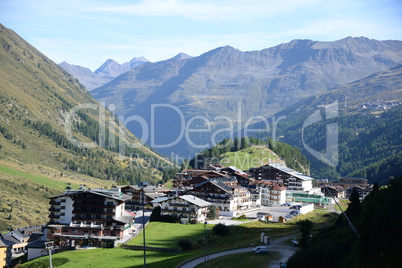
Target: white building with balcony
column 188, row 208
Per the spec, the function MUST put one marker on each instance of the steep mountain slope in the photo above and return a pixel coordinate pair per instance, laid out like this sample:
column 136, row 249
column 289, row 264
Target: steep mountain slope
column 225, row 88
column 385, row 86
column 52, row 130
column 104, row 74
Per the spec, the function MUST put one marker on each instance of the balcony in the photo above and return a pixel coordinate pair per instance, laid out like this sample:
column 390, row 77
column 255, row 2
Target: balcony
column 53, row 209
column 55, row 203
column 175, row 209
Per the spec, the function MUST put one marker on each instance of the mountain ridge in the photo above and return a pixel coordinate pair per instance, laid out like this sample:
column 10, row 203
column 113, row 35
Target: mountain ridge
column 263, row 82
column 109, row 70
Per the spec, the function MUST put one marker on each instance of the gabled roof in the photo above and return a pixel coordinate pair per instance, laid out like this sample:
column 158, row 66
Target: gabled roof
column 102, row 192
column 278, row 187
column 4, row 242
column 288, row 171
column 37, row 244
column 189, row 198
column 217, row 183
column 195, row 200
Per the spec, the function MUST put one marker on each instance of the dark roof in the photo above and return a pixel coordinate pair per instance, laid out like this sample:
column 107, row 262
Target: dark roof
column 103, row 192
column 37, row 244
column 4, row 242
column 222, row 186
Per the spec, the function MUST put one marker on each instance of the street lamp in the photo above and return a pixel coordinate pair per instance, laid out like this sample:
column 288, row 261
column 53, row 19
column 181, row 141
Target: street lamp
column 142, row 185
column 206, row 244
column 50, row 246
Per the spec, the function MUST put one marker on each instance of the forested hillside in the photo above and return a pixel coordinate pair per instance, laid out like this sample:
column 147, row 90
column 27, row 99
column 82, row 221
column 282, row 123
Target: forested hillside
column 377, row 242
column 370, row 145
column 292, row 156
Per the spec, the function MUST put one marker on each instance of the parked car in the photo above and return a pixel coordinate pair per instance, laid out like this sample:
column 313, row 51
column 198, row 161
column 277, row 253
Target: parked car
column 287, row 204
column 294, row 213
column 259, row 248
column 295, row 207
column 262, row 251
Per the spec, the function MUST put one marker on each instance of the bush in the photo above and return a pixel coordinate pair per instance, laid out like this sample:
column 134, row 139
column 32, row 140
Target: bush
column 221, row 229
column 184, row 244
column 242, row 217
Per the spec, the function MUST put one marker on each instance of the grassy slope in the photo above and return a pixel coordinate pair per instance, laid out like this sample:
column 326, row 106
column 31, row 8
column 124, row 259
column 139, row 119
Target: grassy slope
column 254, row 156
column 23, row 194
column 34, row 87
column 166, row 235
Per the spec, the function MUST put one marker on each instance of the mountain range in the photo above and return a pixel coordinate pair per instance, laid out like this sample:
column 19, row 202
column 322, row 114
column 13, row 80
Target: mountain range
column 225, row 89
column 104, row 74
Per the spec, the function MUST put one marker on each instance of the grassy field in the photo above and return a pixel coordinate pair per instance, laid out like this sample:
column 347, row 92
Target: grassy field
column 343, row 203
column 166, row 235
column 250, row 157
column 116, row 257
column 242, row 260
column 169, row 184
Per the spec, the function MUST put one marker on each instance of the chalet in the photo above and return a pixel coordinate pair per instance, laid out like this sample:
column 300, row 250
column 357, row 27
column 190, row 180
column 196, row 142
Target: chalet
column 88, row 217
column 18, row 240
column 362, row 191
column 292, row 180
column 273, row 193
column 5, row 252
column 135, row 192
column 224, row 193
column 351, row 181
column 187, row 207
column 333, row 191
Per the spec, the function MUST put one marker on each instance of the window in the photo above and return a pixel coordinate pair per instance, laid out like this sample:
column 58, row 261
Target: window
column 63, row 200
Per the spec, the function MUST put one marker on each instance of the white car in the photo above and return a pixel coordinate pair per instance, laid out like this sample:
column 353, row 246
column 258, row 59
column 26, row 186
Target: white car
column 259, row 248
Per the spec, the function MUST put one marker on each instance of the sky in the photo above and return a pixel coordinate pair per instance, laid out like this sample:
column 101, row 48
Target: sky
column 88, row 32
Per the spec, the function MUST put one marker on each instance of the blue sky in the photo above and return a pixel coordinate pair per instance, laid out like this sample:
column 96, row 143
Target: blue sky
column 88, row 32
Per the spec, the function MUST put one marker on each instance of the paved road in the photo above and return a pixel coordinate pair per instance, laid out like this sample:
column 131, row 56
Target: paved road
column 277, row 245
column 137, row 226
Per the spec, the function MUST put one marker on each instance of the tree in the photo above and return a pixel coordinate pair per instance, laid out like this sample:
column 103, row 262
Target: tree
column 243, row 143
column 221, row 229
column 305, row 227
column 213, row 213
column 156, row 214
column 184, row 244
column 236, row 145
column 355, row 207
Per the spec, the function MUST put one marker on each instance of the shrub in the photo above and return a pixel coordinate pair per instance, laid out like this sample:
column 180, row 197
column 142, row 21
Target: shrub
column 242, row 217
column 184, row 244
column 221, row 229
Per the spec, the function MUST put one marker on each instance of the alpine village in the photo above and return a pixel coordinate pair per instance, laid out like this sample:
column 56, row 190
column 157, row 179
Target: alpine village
column 314, row 181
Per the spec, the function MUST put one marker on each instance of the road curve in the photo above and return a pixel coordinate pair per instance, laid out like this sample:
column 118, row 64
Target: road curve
column 277, row 245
